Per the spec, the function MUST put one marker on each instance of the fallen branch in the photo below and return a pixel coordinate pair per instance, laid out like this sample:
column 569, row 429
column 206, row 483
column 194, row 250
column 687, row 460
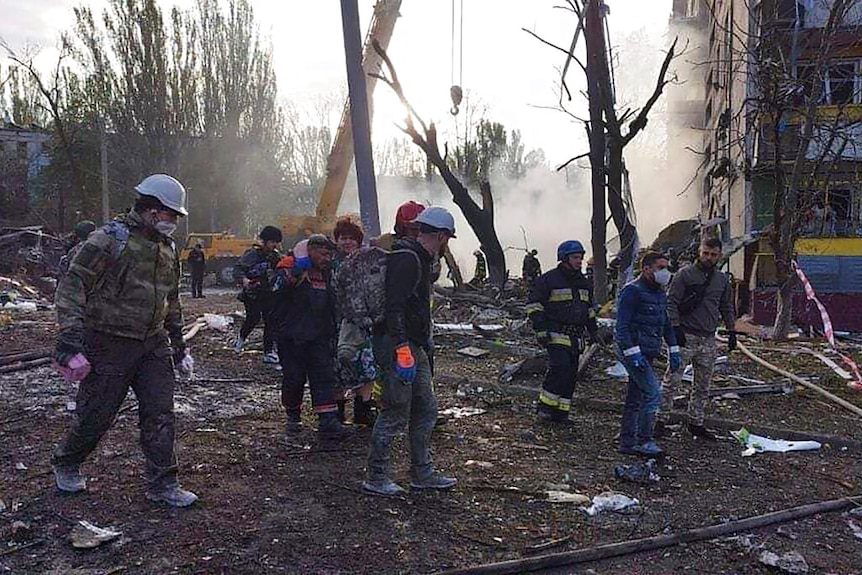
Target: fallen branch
column 623, row 548
column 23, row 356
column 25, row 365
column 548, row 544
column 20, row 547
column 796, row 379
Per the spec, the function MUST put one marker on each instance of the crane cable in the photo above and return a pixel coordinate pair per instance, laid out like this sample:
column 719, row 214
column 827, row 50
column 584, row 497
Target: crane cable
column 455, row 92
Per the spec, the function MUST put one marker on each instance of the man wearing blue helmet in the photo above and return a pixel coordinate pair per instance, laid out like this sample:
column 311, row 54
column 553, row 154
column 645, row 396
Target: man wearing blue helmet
column 561, row 310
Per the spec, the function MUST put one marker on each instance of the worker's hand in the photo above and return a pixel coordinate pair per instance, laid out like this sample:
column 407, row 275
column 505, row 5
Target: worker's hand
column 246, row 283
column 543, row 338
column 74, row 368
column 405, row 363
column 286, row 262
column 636, row 358
column 70, row 343
column 675, row 359
column 731, row 341
column 187, row 363
column 680, row 336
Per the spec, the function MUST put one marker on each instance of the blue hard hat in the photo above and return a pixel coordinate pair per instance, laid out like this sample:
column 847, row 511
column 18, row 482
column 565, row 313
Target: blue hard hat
column 568, row 248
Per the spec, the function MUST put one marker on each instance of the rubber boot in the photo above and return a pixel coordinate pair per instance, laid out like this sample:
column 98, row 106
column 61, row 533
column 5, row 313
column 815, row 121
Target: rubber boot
column 330, row 428
column 294, row 422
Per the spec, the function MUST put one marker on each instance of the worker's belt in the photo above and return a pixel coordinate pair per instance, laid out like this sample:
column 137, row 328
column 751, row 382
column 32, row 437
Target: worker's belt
column 555, row 401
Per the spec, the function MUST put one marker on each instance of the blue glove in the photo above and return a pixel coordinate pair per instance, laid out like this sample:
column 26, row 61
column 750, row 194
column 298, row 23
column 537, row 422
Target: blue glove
column 639, row 361
column 675, row 361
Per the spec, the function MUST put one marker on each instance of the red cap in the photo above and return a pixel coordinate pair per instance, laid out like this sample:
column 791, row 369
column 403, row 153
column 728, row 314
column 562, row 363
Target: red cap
column 407, row 212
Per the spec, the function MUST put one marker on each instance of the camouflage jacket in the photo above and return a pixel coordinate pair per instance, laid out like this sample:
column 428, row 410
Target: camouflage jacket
column 124, row 281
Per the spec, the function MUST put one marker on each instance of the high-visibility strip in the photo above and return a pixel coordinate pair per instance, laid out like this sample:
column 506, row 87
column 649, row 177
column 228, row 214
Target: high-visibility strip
column 565, row 404
column 673, row 349
column 549, row 399
column 591, row 314
column 827, row 326
column 632, row 351
column 563, row 294
column 584, row 295
column 532, row 308
column 560, row 339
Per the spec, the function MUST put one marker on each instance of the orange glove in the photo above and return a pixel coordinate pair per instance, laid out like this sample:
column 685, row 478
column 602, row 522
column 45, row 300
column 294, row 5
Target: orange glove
column 285, row 262
column 405, row 364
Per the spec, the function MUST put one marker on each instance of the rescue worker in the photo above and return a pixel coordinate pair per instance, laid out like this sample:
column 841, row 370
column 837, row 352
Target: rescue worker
column 197, row 266
column 119, row 311
column 256, row 267
column 304, row 317
column 531, row 268
column 401, row 346
column 349, row 237
column 642, row 322
column 699, row 296
column 560, row 308
column 480, row 274
column 405, row 226
column 80, row 233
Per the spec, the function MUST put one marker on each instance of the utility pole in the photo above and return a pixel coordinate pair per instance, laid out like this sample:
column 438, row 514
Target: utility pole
column 594, row 34
column 359, row 118
column 103, row 148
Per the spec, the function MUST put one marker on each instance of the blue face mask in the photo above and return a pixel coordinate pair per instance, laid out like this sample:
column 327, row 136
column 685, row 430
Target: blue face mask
column 662, row 277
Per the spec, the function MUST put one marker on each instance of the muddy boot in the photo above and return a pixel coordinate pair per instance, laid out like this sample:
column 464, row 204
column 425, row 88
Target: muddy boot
column 342, row 405
column 434, row 481
column 363, row 412
column 649, row 449
column 69, row 479
column 294, row 422
column 172, row 495
column 330, row 428
column 237, row 344
column 384, row 487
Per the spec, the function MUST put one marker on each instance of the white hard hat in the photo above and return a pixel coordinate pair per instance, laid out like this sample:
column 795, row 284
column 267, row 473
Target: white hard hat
column 167, row 190
column 438, row 218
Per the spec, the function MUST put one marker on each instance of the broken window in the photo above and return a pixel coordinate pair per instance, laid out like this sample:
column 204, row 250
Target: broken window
column 841, row 84
column 789, row 11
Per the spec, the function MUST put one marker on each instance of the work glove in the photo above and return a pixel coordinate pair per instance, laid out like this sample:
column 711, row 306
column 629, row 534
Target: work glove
column 675, row 361
column 639, row 361
column 183, row 360
column 543, row 338
column 69, row 358
column 731, row 341
column 405, row 363
column 680, row 336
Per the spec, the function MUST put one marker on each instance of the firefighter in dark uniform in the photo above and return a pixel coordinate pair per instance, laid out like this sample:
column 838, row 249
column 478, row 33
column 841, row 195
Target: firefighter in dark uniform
column 561, row 310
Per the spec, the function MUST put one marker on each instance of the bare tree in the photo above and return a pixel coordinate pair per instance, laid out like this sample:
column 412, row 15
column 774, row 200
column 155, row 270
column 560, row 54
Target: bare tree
column 480, row 218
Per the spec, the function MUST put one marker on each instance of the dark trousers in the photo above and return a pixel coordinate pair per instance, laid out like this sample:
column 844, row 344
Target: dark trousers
column 559, row 382
column 403, row 405
column 197, row 283
column 119, row 363
column 255, row 311
column 311, row 361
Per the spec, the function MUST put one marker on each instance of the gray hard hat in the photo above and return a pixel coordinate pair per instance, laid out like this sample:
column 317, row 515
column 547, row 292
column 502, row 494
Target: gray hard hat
column 169, row 191
column 437, row 218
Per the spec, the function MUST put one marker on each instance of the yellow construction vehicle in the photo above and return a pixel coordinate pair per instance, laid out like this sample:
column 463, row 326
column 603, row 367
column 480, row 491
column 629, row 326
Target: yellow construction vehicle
column 222, row 251
column 298, row 227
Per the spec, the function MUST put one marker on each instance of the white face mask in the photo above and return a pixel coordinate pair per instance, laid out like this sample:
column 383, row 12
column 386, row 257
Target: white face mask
column 166, row 228
column 662, row 277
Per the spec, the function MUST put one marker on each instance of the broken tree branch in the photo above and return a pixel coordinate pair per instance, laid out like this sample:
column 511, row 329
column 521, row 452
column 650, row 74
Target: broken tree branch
column 623, row 548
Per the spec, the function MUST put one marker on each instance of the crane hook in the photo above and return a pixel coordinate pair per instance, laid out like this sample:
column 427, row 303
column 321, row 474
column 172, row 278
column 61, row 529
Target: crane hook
column 457, row 95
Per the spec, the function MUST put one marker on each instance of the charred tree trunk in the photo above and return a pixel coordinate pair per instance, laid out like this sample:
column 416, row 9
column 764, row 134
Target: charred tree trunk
column 595, row 39
column 480, row 218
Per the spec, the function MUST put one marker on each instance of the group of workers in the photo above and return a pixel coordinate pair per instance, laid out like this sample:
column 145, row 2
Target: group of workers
column 120, row 319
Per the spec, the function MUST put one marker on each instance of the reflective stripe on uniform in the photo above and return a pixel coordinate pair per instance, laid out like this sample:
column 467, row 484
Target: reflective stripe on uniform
column 632, row 351
column 549, row 399
column 534, row 307
column 565, row 404
column 584, row 295
column 563, row 294
column 376, row 390
column 674, row 349
column 560, row 339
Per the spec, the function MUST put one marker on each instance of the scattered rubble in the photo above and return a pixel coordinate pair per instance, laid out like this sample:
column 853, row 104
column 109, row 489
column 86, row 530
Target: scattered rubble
column 85, row 535
column 615, row 502
column 638, row 472
column 757, row 444
column 791, row 562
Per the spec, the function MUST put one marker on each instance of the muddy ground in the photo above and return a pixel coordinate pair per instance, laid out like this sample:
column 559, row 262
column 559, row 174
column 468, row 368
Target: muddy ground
column 277, row 504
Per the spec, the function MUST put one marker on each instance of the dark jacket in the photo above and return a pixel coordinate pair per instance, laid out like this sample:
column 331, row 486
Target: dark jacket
column 715, row 305
column 531, row 267
column 561, row 304
column 304, row 311
column 197, row 261
column 642, row 320
column 258, row 266
column 408, row 293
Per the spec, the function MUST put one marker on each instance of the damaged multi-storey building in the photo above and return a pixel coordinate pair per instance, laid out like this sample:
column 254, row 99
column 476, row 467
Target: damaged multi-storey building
column 761, row 72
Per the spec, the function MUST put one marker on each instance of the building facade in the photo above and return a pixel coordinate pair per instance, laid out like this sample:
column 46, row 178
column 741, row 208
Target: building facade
column 764, row 70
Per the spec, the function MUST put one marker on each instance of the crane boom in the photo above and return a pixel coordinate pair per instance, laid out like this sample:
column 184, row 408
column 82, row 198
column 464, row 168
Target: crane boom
column 341, row 155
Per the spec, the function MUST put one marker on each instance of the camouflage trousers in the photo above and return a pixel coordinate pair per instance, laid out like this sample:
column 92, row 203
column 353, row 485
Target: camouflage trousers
column 700, row 352
column 118, row 364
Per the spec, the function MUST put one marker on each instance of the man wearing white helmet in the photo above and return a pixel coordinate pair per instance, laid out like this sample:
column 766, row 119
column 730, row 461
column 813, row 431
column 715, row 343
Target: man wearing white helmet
column 402, row 347
column 120, row 326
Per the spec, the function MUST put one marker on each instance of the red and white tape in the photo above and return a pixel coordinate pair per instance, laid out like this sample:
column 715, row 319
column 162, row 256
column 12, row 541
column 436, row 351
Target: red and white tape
column 827, row 326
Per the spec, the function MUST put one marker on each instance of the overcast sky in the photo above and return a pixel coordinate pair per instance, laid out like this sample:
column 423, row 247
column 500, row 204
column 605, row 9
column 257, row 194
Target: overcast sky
column 507, row 69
